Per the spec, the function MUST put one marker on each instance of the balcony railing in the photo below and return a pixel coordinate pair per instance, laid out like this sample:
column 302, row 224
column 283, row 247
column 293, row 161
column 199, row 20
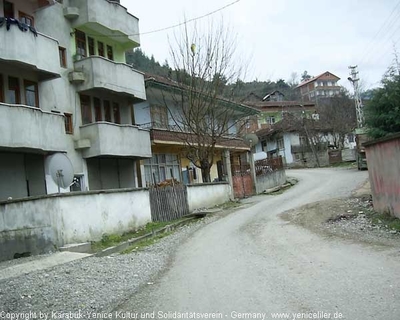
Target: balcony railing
column 108, row 18
column 101, row 73
column 30, row 50
column 119, row 140
column 23, row 127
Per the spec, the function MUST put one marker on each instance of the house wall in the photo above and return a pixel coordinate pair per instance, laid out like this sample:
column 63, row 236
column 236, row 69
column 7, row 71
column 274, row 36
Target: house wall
column 41, row 224
column 270, row 180
column 207, row 195
column 384, row 174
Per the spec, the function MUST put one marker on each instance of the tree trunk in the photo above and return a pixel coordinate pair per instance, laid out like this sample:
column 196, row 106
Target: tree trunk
column 205, row 174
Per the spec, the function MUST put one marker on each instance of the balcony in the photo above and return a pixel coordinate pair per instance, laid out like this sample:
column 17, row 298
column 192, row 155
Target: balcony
column 26, row 128
column 24, row 50
column 110, row 139
column 101, row 73
column 107, row 17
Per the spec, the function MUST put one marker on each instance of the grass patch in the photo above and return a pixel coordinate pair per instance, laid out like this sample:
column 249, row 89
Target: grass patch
column 146, row 242
column 114, row 239
column 343, row 165
column 228, row 205
column 390, row 222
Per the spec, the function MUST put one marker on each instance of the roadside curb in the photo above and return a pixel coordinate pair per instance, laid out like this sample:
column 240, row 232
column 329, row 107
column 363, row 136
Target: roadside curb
column 126, row 244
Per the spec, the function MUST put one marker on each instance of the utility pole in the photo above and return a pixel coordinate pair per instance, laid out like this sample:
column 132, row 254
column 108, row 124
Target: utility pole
column 355, row 80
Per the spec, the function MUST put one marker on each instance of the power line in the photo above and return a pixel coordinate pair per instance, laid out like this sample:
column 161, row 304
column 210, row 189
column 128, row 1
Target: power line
column 173, row 26
column 384, row 26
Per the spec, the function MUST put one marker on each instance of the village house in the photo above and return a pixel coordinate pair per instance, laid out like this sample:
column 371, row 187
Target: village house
column 65, row 88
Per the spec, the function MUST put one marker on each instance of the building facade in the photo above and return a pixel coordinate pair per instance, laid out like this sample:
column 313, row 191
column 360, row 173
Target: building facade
column 65, row 88
column 321, row 86
column 170, row 142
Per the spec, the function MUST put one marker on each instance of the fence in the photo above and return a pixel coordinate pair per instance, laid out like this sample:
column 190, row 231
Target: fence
column 168, row 202
column 266, row 166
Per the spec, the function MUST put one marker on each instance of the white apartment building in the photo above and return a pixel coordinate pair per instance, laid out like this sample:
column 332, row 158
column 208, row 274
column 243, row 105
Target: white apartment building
column 65, row 88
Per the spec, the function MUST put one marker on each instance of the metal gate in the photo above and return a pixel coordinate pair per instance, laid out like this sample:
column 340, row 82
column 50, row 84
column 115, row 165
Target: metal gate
column 169, row 202
column 242, row 181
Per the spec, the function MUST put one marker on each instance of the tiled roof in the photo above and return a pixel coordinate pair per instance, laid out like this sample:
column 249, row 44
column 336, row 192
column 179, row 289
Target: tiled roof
column 315, row 78
column 240, row 107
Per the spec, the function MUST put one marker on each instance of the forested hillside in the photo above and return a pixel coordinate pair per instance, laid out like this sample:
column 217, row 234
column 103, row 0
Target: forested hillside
column 140, row 61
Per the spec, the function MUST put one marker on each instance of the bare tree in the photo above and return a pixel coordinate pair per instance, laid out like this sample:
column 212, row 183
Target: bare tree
column 205, row 61
column 339, row 116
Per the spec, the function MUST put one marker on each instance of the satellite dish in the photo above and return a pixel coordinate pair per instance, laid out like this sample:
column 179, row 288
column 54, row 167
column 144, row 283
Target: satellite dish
column 251, row 139
column 60, row 168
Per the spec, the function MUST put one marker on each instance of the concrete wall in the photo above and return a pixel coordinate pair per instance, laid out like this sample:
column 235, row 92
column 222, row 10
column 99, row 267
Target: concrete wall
column 383, row 158
column 41, row 224
column 207, row 195
column 270, row 180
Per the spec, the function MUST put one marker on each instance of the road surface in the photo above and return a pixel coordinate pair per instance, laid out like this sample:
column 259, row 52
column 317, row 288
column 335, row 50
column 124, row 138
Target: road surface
column 252, row 264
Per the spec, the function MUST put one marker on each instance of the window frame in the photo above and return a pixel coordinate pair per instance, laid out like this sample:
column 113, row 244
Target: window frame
column 98, row 115
column 28, row 83
column 80, row 39
column 86, row 108
column 68, row 121
column 62, row 53
column 116, row 112
column 4, row 9
column 22, row 15
column 110, row 52
column 91, row 46
column 100, row 49
column 17, row 90
column 280, row 144
column 2, row 99
column 107, row 111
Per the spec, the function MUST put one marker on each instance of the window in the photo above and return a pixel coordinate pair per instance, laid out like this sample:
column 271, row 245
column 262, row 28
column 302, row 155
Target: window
column 80, row 38
column 281, row 144
column 26, row 18
column 303, row 141
column 91, row 46
column 1, row 88
column 62, row 54
column 350, row 137
column 69, row 129
column 97, row 109
column 159, row 116
column 100, row 48
column 107, row 111
column 116, row 113
column 31, row 93
column 8, row 9
column 86, row 109
column 271, row 120
column 110, row 53
column 161, row 167
column 14, row 91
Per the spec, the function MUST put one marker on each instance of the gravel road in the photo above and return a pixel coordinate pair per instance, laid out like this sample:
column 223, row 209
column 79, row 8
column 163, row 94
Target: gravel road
column 247, row 261
column 252, row 261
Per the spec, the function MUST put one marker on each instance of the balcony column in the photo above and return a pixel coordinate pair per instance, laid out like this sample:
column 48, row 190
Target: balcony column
column 227, row 163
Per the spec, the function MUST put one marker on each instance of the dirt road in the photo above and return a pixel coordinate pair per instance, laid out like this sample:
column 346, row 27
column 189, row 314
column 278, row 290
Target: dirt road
column 252, row 264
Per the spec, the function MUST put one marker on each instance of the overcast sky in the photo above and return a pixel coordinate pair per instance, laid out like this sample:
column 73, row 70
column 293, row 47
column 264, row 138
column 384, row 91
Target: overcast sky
column 285, row 36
